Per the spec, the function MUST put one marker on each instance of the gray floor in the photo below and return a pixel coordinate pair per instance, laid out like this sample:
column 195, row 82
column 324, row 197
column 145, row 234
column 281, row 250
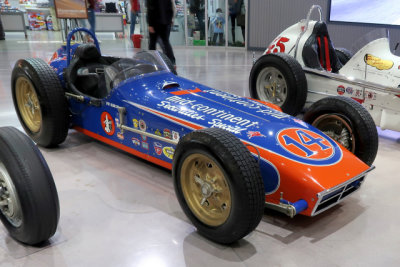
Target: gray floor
column 117, row 210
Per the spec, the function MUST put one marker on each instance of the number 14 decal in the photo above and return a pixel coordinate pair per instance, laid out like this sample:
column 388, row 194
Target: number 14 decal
column 278, row 45
column 306, row 141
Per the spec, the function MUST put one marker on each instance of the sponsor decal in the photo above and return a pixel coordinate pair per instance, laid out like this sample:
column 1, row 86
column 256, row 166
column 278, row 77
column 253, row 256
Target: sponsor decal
column 252, row 134
column 112, row 105
column 175, row 136
column 144, row 137
column 168, row 152
column 349, row 90
column 136, row 141
column 340, row 90
column 135, row 123
column 358, row 93
column 378, row 63
column 370, row 95
column 157, row 132
column 55, row 55
column 145, row 145
column 107, row 123
column 223, row 119
column 278, row 45
column 142, row 125
column 158, row 148
column 120, row 135
column 308, row 147
column 167, row 133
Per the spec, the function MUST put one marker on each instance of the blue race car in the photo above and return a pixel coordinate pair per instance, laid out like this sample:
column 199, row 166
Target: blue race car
column 230, row 156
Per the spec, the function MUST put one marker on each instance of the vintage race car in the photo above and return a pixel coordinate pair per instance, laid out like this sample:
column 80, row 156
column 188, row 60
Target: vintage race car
column 230, row 156
column 301, row 66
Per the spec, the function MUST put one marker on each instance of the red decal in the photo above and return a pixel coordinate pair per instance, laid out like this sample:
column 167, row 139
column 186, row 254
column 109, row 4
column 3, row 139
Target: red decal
column 186, row 92
column 107, row 123
column 340, row 90
column 167, row 133
column 278, row 45
column 251, row 134
column 158, row 148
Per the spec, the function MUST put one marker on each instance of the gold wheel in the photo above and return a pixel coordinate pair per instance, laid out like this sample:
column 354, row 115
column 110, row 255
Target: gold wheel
column 206, row 189
column 28, row 104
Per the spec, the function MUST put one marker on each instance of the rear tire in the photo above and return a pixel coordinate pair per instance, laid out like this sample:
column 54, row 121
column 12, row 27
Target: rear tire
column 279, row 79
column 348, row 123
column 40, row 102
column 343, row 55
column 218, row 184
column 30, row 209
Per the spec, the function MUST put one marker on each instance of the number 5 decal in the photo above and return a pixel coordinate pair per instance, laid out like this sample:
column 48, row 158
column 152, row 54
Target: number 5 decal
column 278, row 46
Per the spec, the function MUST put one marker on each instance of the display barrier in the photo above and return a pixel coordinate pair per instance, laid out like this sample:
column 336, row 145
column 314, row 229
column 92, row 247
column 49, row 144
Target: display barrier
column 14, row 22
column 109, row 22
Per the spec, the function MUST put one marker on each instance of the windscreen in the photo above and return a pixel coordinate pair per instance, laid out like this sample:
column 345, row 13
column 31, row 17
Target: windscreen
column 369, row 37
column 142, row 63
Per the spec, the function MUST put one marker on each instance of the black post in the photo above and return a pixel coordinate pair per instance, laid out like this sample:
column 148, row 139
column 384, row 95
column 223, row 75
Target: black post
column 2, row 35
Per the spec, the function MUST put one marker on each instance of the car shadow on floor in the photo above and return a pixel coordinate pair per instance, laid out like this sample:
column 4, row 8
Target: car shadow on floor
column 288, row 230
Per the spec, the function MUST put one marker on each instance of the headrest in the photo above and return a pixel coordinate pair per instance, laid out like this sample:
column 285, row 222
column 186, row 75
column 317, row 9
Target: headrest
column 320, row 28
column 87, row 52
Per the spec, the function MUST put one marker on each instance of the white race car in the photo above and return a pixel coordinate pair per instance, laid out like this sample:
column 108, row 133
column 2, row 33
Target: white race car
column 301, row 66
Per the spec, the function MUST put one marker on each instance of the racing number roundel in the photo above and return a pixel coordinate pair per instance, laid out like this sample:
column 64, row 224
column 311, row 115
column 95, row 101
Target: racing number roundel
column 107, row 123
column 309, row 147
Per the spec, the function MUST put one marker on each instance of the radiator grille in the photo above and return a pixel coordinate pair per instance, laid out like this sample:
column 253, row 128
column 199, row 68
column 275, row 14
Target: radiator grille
column 333, row 196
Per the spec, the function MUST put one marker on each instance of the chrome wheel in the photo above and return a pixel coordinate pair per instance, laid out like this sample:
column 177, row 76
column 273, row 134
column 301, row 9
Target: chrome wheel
column 28, row 104
column 336, row 128
column 9, row 201
column 206, row 189
column 271, row 86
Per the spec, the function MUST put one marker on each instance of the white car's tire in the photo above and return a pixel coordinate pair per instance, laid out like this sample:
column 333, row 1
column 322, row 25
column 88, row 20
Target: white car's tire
column 279, row 79
column 348, row 123
column 29, row 207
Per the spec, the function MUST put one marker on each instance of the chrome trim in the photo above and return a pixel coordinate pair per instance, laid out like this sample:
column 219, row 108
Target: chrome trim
column 124, row 127
column 306, row 26
column 121, row 125
column 357, row 82
column 289, row 210
column 321, row 93
column 80, row 98
column 320, row 195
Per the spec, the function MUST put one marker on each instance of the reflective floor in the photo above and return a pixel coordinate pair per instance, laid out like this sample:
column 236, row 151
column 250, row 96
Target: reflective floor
column 118, row 210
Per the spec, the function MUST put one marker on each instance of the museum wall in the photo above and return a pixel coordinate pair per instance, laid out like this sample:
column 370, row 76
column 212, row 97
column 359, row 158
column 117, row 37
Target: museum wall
column 268, row 18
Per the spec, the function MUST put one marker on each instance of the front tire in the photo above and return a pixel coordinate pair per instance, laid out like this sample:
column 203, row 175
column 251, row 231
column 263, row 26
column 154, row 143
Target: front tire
column 348, row 123
column 218, row 184
column 29, row 207
column 279, row 79
column 40, row 102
